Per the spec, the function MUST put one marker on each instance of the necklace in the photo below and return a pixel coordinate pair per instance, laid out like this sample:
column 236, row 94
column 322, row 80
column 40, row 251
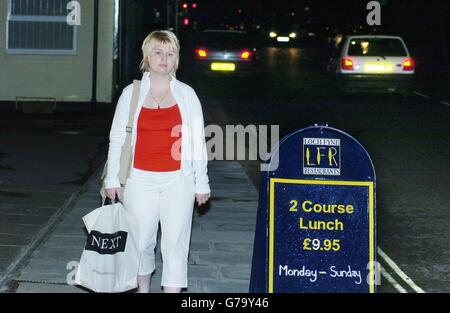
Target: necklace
column 159, row 102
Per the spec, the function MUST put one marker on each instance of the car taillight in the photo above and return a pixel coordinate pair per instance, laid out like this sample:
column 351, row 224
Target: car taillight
column 347, row 64
column 201, row 53
column 408, row 65
column 245, row 54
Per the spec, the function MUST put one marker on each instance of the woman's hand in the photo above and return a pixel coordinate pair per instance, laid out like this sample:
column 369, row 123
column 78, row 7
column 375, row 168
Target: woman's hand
column 202, row 198
column 112, row 192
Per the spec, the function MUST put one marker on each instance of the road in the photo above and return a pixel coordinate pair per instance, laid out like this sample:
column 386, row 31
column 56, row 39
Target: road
column 408, row 141
column 45, row 158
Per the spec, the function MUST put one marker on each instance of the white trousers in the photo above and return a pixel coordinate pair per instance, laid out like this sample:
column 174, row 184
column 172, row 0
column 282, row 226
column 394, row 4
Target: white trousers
column 166, row 198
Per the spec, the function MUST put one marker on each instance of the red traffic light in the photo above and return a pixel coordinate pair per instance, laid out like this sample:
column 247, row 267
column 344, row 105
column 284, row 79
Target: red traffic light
column 194, row 5
column 185, row 21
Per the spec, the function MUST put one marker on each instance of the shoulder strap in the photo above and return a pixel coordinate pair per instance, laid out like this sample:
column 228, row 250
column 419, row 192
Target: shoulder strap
column 134, row 101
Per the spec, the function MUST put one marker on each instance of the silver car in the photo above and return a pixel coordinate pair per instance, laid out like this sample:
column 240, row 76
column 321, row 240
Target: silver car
column 225, row 51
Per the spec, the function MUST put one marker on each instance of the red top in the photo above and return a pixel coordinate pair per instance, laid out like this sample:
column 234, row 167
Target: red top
column 154, row 141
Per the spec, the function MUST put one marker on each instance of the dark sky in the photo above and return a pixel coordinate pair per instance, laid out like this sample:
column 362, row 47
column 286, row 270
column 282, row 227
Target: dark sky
column 318, row 11
column 419, row 20
column 322, row 12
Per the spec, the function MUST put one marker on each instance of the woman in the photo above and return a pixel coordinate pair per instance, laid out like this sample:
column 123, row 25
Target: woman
column 169, row 166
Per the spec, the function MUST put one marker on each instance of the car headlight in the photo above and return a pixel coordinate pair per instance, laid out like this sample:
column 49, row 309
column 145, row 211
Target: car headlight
column 272, row 34
column 292, row 35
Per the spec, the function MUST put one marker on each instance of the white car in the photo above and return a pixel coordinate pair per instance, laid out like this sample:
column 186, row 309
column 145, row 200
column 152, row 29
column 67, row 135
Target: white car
column 373, row 63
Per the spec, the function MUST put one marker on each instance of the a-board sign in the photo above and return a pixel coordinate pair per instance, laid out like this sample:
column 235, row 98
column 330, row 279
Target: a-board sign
column 316, row 219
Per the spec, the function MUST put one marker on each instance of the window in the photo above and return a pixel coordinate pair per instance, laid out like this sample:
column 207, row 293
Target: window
column 220, row 39
column 376, row 47
column 39, row 27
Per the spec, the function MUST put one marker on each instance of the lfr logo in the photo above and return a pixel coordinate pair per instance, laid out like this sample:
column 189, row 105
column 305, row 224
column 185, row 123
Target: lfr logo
column 74, row 16
column 321, row 156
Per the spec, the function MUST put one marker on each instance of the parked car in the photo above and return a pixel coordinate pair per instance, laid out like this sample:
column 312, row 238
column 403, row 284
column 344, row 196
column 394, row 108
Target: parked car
column 373, row 63
column 226, row 51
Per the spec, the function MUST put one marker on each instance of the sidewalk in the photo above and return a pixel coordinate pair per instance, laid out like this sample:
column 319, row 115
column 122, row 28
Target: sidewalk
column 221, row 245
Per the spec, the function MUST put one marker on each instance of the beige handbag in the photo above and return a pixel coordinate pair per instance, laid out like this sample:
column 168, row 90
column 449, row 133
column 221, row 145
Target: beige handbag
column 125, row 155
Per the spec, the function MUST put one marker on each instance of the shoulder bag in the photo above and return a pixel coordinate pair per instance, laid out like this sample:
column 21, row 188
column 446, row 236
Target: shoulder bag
column 125, row 155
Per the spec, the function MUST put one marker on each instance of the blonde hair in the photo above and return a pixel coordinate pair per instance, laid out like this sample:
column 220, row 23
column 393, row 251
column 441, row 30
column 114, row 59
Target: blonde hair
column 159, row 37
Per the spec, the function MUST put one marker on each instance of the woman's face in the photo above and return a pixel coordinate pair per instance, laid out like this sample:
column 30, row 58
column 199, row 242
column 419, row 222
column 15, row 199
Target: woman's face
column 162, row 59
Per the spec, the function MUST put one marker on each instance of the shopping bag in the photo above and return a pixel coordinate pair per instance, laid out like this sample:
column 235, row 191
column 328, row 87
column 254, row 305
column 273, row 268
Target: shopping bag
column 110, row 259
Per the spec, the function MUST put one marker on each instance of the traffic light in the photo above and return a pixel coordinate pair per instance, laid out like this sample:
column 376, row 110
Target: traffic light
column 194, row 5
column 185, row 21
column 184, row 5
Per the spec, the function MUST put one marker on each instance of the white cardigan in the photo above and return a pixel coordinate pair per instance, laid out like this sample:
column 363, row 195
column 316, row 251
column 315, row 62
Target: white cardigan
column 194, row 157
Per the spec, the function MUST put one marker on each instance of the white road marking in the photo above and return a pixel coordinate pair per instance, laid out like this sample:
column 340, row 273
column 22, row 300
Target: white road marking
column 73, row 133
column 429, row 97
column 422, row 95
column 391, row 279
column 399, row 272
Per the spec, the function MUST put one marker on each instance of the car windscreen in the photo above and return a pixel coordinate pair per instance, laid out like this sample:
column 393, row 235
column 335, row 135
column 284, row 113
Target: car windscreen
column 225, row 40
column 376, row 47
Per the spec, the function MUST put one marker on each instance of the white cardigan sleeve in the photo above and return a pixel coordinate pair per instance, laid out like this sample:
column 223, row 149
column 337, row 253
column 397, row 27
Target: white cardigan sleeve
column 117, row 137
column 200, row 155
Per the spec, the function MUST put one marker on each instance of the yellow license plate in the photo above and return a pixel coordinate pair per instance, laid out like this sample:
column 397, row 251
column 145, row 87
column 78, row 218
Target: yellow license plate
column 378, row 67
column 221, row 66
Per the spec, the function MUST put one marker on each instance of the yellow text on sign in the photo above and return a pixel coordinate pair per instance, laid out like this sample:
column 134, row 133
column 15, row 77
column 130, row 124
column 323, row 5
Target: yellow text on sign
column 321, row 152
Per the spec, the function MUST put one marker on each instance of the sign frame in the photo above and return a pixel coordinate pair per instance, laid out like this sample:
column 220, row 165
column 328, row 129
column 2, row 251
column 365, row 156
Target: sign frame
column 371, row 211
column 356, row 170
